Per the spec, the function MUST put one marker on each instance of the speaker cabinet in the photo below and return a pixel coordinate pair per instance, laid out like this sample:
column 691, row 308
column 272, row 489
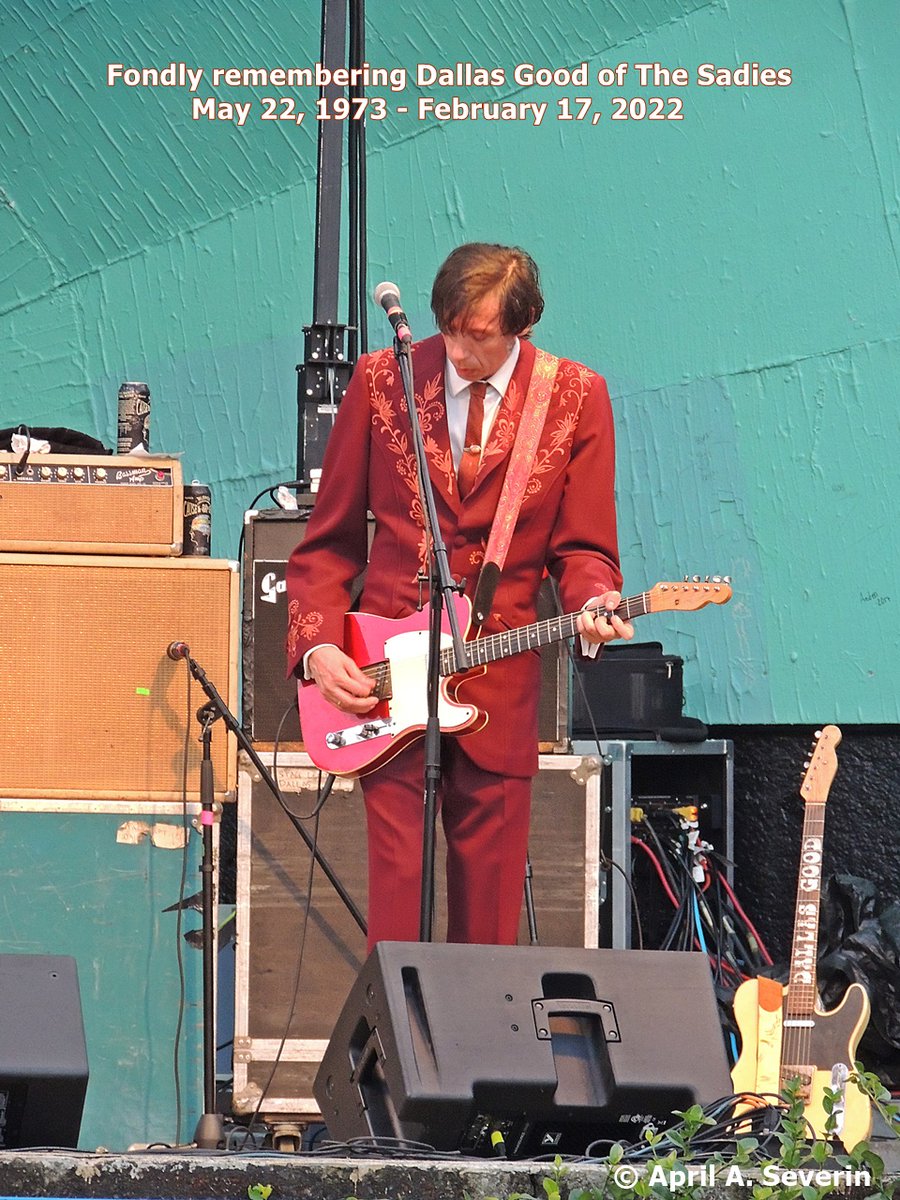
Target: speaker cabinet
column 268, row 698
column 43, row 1058
column 269, row 538
column 90, row 705
column 551, row 1049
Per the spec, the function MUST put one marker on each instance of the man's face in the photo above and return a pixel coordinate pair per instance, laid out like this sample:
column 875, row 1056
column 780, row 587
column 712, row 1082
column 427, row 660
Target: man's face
column 476, row 346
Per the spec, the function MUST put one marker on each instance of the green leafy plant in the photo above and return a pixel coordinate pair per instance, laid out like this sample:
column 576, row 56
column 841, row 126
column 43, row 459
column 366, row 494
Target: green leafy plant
column 674, row 1166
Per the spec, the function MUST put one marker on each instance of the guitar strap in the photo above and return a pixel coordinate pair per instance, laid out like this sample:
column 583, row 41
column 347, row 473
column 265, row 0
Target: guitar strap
column 528, row 435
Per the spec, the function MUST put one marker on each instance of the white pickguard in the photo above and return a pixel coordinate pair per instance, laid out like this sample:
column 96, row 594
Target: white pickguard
column 408, row 655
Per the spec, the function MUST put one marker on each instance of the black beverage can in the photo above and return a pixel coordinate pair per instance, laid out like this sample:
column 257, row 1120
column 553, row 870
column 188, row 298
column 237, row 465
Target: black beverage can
column 134, row 418
column 197, row 519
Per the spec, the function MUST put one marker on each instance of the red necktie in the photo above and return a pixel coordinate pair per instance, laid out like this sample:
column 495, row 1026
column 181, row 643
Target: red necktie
column 471, row 455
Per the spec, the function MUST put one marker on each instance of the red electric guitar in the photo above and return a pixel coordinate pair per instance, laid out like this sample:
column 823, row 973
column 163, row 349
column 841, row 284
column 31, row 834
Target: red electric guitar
column 395, row 652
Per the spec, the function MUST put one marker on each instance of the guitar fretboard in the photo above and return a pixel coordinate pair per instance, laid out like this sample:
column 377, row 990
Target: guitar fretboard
column 802, row 991
column 532, row 637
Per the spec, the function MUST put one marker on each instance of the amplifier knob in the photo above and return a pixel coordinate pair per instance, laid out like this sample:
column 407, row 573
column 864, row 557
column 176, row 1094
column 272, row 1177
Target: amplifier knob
column 45, row 472
column 101, row 472
column 63, row 472
column 78, row 472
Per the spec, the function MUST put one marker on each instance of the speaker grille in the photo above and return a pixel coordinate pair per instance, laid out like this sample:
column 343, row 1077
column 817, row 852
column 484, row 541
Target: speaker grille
column 90, row 704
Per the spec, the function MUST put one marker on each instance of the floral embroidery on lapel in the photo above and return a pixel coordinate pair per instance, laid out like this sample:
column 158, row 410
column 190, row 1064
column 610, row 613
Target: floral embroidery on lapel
column 431, row 411
column 386, row 418
column 557, row 438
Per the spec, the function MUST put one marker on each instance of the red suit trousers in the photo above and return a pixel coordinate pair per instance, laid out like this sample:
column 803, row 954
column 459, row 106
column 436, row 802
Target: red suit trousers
column 485, row 819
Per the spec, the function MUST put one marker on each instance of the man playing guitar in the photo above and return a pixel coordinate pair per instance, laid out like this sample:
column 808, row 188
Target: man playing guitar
column 475, row 383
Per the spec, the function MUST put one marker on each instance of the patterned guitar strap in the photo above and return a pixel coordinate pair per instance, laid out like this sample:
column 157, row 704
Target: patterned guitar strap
column 528, row 435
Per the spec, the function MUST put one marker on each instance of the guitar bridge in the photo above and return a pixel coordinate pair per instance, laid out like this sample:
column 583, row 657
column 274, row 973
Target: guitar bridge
column 804, row 1075
column 364, row 732
column 840, row 1075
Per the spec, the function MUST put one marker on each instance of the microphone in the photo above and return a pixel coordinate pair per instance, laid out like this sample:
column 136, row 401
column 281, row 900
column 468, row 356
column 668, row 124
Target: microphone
column 177, row 650
column 388, row 296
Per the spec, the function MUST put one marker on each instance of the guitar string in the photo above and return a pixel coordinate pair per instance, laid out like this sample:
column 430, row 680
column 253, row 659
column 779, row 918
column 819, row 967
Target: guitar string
column 497, row 645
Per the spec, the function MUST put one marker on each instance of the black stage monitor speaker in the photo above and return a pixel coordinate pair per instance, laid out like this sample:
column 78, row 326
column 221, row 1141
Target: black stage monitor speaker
column 550, row 1048
column 43, row 1059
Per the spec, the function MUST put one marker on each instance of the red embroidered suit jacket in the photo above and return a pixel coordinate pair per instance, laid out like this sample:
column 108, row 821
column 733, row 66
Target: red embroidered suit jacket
column 566, row 523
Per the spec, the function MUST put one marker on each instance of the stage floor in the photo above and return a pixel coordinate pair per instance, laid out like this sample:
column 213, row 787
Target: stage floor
column 224, row 1175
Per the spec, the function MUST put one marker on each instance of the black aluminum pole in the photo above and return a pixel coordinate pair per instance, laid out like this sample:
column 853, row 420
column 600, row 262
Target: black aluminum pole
column 323, row 375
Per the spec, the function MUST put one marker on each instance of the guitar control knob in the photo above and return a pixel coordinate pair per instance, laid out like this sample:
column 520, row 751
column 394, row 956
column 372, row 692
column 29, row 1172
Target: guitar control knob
column 334, row 740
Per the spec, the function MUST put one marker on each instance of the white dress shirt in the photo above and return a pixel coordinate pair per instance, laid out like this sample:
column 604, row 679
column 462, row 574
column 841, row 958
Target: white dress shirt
column 456, row 392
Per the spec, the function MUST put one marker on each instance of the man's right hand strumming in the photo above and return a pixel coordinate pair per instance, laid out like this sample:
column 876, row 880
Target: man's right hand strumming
column 340, row 680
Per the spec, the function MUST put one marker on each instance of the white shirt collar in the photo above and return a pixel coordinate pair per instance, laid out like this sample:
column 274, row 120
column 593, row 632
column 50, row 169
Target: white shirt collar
column 456, row 386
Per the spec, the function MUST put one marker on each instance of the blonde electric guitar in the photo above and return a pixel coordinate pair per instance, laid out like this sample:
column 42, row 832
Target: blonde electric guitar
column 785, row 1034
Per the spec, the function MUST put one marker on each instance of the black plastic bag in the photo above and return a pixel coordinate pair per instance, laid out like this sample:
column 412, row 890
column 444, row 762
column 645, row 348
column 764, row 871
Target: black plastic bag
column 860, row 943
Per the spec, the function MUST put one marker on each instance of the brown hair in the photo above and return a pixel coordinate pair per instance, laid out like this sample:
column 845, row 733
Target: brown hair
column 476, row 269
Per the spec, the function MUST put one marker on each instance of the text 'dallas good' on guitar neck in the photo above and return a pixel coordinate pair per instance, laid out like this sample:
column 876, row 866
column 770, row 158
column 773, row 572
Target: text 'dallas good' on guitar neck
column 785, row 1034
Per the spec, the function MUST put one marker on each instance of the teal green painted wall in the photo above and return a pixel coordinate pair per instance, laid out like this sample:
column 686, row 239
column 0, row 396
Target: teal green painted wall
column 71, row 887
column 734, row 274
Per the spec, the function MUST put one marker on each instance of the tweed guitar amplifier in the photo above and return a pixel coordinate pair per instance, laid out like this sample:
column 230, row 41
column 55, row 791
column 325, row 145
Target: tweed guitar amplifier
column 91, row 504
column 91, row 707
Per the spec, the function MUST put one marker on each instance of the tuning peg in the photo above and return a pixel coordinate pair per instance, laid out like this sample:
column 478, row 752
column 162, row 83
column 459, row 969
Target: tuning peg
column 696, row 579
column 726, row 579
column 685, row 579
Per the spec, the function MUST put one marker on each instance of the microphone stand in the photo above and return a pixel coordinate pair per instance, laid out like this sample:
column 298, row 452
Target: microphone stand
column 442, row 588
column 209, row 1134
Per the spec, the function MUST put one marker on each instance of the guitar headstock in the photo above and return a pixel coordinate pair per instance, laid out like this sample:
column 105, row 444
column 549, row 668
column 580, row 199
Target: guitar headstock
column 821, row 767
column 689, row 594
